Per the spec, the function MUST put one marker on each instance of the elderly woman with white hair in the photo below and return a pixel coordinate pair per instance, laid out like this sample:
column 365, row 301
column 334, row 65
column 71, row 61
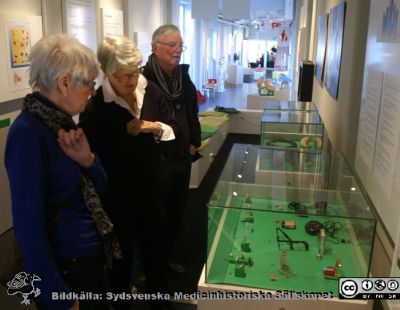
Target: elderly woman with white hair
column 127, row 123
column 64, row 234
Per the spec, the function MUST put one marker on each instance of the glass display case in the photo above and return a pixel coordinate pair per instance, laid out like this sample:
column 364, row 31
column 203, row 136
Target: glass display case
column 298, row 168
column 285, row 238
column 292, row 130
column 289, row 106
column 291, row 168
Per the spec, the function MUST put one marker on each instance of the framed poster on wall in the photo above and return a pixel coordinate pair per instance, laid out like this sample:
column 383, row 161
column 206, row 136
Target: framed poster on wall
column 334, row 49
column 79, row 21
column 388, row 31
column 113, row 22
column 18, row 33
column 321, row 46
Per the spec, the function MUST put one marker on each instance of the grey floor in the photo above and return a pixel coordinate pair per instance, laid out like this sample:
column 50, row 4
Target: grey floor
column 233, row 96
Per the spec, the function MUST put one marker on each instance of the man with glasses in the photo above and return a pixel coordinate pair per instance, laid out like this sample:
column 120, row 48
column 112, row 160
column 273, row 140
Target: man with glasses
column 164, row 69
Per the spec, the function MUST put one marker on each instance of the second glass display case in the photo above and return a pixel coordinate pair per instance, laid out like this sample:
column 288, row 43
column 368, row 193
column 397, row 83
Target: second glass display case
column 292, row 130
column 273, row 105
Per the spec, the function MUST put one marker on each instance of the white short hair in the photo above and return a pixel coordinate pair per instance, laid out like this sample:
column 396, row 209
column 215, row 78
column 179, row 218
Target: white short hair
column 59, row 54
column 118, row 51
column 164, row 29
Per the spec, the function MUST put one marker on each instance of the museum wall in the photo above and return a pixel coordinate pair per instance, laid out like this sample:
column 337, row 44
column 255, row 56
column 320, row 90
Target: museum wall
column 32, row 7
column 341, row 115
column 378, row 164
column 52, row 22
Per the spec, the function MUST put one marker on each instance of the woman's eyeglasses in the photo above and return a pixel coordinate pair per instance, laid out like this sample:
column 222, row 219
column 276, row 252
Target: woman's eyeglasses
column 127, row 77
column 88, row 83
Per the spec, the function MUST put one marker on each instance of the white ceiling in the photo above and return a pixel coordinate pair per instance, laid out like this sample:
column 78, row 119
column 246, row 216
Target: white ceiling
column 267, row 11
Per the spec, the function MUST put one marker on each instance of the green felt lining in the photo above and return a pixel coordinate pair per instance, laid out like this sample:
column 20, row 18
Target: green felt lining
column 307, row 270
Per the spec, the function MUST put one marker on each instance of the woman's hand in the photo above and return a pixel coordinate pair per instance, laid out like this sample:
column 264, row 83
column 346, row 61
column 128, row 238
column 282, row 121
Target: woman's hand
column 75, row 145
column 192, row 150
column 137, row 126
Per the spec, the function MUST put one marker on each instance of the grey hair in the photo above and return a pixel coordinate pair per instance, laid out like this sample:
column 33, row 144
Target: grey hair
column 164, row 29
column 118, row 51
column 59, row 54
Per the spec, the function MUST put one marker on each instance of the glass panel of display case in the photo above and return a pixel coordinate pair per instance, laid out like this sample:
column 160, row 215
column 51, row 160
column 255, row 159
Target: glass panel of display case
column 292, row 130
column 290, row 106
column 287, row 238
column 293, row 168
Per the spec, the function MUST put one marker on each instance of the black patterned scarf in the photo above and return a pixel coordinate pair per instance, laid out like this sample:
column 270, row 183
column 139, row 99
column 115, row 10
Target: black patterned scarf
column 159, row 74
column 55, row 120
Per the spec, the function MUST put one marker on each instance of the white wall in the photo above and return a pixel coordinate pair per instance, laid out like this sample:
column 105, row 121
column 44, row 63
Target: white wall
column 341, row 115
column 111, row 4
column 52, row 17
column 32, row 7
column 383, row 57
column 52, row 23
column 145, row 15
column 301, row 39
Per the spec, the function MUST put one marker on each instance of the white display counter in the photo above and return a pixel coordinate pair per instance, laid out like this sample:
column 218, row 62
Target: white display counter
column 214, row 143
column 256, row 102
column 273, row 303
column 235, row 74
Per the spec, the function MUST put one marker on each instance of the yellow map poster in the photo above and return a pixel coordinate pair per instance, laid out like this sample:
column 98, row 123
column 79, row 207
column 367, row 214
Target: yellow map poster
column 19, row 41
column 20, row 45
column 18, row 34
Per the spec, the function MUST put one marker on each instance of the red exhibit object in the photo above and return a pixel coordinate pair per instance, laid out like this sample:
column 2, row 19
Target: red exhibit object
column 275, row 25
column 329, row 271
column 284, row 36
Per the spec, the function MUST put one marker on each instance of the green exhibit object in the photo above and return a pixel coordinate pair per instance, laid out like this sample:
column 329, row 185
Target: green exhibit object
column 240, row 271
column 247, row 261
column 249, row 218
column 248, row 199
column 284, row 267
column 245, row 245
column 322, row 237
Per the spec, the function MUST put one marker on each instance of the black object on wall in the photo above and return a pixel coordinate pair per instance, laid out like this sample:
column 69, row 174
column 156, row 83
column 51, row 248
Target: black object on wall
column 306, row 80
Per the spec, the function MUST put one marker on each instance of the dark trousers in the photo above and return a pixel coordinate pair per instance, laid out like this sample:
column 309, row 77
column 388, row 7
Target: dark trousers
column 87, row 274
column 144, row 229
column 174, row 181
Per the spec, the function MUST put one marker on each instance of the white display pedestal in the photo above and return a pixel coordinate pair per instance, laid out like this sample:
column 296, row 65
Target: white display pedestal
column 235, row 74
column 273, row 302
column 201, row 166
column 256, row 102
column 245, row 122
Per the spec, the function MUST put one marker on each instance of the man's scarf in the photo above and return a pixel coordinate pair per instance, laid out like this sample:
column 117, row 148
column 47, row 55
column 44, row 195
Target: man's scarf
column 159, row 74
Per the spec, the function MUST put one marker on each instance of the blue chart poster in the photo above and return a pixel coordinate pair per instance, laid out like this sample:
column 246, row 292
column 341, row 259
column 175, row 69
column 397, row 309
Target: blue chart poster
column 389, row 22
column 321, row 46
column 334, row 51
